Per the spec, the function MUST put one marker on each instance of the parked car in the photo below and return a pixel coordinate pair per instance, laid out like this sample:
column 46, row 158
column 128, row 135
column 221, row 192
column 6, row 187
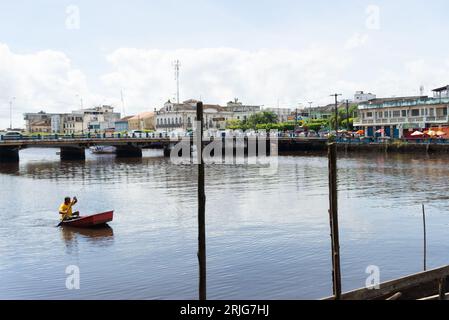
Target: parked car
column 12, row 135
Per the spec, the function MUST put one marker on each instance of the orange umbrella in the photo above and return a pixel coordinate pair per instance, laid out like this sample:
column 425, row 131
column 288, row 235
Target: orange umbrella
column 360, row 132
column 431, row 133
column 417, row 133
column 441, row 133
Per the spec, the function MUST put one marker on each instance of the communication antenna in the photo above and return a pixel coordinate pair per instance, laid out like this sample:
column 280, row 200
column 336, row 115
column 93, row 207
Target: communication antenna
column 177, row 65
column 421, row 90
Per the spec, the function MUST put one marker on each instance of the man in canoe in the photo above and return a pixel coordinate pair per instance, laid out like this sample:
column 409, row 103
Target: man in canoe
column 65, row 209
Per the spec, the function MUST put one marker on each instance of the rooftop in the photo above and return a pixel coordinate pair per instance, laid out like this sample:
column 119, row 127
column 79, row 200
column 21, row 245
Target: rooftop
column 402, row 102
column 445, row 88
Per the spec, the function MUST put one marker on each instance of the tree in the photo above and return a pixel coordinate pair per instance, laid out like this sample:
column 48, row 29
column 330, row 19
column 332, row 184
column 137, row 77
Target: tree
column 264, row 117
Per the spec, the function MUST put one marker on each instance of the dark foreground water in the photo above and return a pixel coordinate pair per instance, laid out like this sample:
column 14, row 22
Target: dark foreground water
column 267, row 235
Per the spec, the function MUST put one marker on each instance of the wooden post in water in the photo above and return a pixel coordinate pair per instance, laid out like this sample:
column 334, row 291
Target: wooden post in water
column 425, row 236
column 333, row 218
column 201, row 204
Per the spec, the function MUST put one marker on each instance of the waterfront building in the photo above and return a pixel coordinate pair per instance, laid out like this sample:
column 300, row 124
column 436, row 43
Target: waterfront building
column 361, row 96
column 73, row 123
column 122, row 125
column 98, row 119
column 142, row 121
column 321, row 112
column 283, row 114
column 442, row 92
column 181, row 117
column 400, row 117
column 38, row 122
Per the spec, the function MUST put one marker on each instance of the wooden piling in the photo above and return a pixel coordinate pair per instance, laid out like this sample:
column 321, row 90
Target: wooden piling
column 201, row 205
column 333, row 218
column 425, row 236
column 442, row 288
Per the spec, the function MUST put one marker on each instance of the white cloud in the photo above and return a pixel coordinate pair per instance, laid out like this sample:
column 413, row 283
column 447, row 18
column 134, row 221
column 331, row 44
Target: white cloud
column 48, row 80
column 218, row 75
column 42, row 80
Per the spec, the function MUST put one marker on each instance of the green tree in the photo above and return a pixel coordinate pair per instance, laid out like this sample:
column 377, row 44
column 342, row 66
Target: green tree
column 264, row 117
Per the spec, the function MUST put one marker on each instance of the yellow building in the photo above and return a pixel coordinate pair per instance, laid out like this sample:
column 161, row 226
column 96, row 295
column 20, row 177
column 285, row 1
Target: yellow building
column 142, row 121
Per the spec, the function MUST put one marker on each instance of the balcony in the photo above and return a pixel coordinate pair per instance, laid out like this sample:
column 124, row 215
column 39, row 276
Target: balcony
column 397, row 121
column 405, row 103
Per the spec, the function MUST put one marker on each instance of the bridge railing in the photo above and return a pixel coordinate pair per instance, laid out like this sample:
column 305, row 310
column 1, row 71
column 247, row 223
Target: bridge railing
column 87, row 136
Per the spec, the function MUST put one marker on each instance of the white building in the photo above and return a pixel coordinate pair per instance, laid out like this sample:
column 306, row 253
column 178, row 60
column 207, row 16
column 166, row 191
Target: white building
column 284, row 114
column 97, row 119
column 361, row 96
column 180, row 117
column 441, row 92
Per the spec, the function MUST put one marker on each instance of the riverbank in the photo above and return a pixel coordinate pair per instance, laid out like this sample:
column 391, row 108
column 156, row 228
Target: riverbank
column 396, row 147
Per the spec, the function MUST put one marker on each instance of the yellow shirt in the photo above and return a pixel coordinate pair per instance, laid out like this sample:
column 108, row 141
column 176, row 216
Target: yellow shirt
column 65, row 208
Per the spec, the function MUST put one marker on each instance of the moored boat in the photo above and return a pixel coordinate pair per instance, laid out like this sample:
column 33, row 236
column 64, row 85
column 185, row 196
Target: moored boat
column 103, row 150
column 90, row 221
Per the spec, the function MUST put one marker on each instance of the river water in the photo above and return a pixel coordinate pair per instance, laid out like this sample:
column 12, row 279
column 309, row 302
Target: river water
column 267, row 235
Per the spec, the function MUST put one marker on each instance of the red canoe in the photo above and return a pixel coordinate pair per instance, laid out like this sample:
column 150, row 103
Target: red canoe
column 90, row 221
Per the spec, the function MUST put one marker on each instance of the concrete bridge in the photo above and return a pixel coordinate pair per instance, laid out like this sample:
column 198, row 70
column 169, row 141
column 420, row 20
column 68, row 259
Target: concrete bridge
column 73, row 148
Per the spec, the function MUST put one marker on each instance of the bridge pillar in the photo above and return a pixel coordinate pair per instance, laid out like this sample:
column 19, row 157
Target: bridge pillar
column 167, row 150
column 72, row 153
column 128, row 151
column 9, row 154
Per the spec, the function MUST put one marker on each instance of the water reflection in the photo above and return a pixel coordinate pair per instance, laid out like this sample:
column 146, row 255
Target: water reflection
column 102, row 236
column 12, row 168
column 267, row 235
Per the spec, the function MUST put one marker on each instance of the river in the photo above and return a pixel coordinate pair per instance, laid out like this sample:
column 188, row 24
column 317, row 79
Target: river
column 267, row 235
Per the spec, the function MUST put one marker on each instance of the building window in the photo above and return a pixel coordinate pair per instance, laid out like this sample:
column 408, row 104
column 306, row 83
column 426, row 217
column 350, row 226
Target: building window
column 396, row 114
column 386, row 114
column 404, row 113
column 369, row 114
column 415, row 113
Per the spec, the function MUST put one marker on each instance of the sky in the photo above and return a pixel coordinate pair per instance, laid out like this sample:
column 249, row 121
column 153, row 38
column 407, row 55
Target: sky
column 58, row 55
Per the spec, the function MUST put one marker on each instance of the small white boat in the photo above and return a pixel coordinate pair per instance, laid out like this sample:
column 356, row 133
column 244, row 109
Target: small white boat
column 102, row 150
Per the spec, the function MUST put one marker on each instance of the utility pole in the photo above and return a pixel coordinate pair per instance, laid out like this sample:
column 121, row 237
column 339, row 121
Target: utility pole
column 310, row 109
column 296, row 120
column 347, row 115
column 123, row 103
column 10, row 112
column 336, row 95
column 177, row 65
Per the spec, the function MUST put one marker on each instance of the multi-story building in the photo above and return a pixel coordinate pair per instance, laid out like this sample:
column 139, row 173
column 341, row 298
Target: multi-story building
column 142, row 121
column 361, row 96
column 283, row 114
column 399, row 117
column 73, row 123
column 38, row 122
column 98, row 119
column 322, row 112
column 182, row 116
column 122, row 125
